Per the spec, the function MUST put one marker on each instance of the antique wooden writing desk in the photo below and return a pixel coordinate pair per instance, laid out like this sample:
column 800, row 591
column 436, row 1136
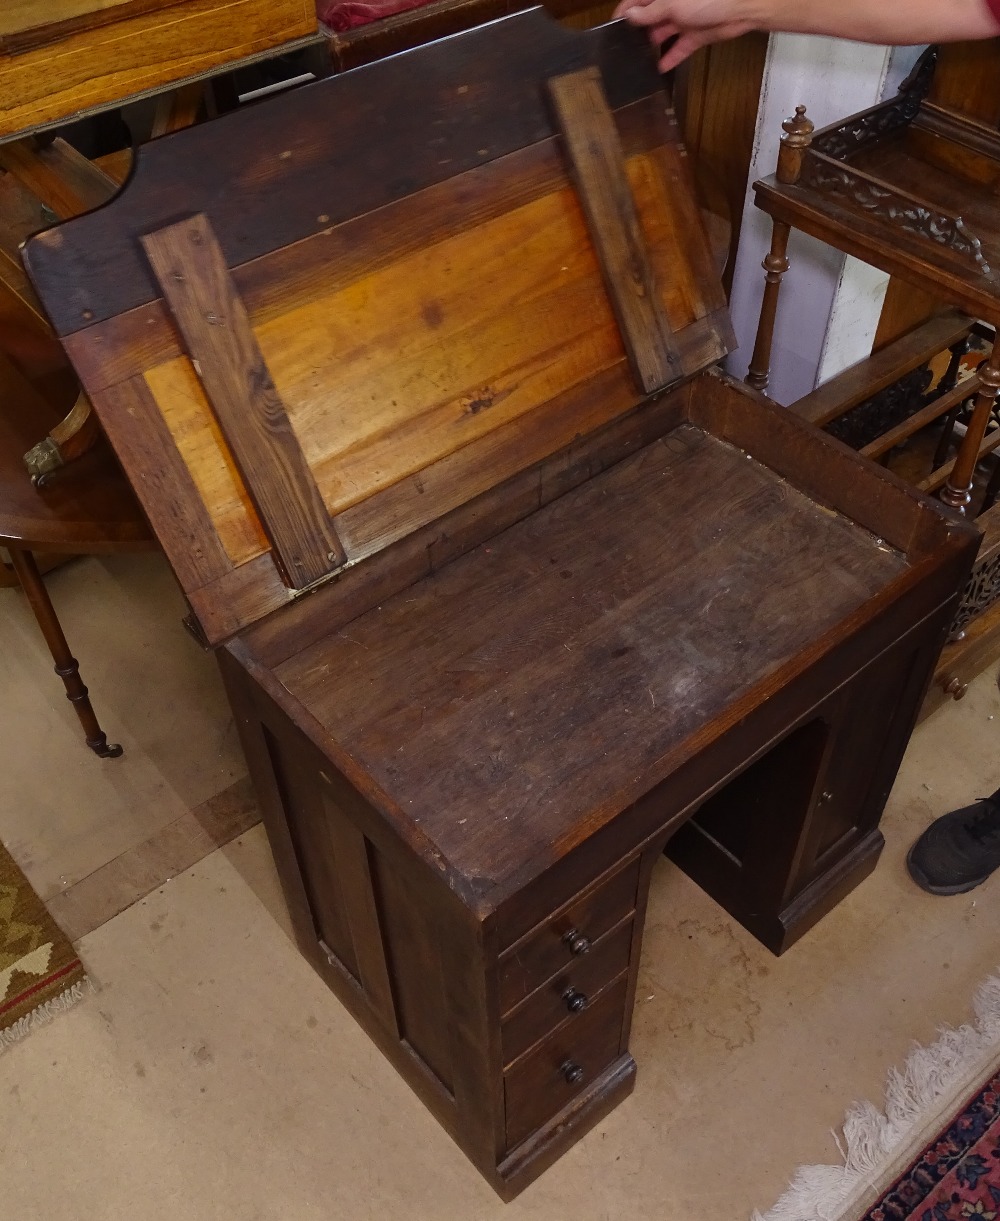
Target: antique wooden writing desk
column 409, row 371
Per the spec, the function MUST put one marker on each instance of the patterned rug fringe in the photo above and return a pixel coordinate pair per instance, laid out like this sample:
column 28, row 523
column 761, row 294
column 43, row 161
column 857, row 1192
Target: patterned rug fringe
column 45, row 1013
column 877, row 1145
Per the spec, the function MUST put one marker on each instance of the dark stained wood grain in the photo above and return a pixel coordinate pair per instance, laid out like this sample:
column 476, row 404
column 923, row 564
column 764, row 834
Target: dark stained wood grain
column 163, row 484
column 239, row 598
column 717, row 95
column 540, row 1085
column 570, row 992
column 826, row 467
column 351, row 853
column 920, row 419
column 358, row 589
column 192, row 272
column 965, row 79
column 944, row 474
column 468, row 711
column 564, row 629
column 858, row 383
column 530, row 961
column 16, row 42
column 62, row 178
column 595, row 153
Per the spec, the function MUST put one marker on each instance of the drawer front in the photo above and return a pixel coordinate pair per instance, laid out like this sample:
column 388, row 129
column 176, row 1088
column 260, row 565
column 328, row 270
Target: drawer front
column 567, row 996
column 567, row 937
column 551, row 1076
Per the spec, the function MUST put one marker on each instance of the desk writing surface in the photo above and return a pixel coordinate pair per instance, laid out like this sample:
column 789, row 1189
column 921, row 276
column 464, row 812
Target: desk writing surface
column 507, row 698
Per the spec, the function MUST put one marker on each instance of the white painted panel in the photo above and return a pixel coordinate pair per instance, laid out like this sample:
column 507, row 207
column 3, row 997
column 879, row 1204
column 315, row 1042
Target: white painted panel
column 834, row 78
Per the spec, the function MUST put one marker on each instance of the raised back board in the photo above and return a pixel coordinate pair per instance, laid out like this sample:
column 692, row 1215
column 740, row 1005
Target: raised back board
column 318, row 324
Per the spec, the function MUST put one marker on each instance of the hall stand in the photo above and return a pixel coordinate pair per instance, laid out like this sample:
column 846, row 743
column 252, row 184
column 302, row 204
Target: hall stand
column 907, row 187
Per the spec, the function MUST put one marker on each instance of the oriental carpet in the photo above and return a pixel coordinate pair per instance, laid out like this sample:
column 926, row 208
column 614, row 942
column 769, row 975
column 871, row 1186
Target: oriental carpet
column 932, row 1151
column 958, row 1174
column 40, row 974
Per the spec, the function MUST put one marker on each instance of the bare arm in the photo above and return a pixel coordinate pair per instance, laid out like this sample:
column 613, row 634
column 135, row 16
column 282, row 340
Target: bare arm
column 698, row 22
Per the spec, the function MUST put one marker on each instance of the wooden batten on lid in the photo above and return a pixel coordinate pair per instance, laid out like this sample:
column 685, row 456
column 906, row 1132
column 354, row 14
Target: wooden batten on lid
column 314, row 326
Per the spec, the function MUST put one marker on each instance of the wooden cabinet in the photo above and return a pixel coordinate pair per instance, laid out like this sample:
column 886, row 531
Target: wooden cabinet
column 509, row 586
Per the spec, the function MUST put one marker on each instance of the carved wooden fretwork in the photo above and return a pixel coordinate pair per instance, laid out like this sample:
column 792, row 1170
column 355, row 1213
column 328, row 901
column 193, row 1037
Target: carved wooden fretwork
column 822, row 174
column 870, row 419
column 982, row 591
column 842, row 141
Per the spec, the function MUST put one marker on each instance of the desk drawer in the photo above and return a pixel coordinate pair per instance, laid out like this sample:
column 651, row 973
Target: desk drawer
column 567, row 996
column 567, row 937
column 551, row 1076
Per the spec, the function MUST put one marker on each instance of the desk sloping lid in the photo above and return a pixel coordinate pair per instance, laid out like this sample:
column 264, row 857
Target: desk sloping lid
column 320, row 323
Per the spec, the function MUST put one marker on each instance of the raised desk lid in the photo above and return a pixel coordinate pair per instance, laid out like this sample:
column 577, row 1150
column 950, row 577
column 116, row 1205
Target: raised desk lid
column 318, row 324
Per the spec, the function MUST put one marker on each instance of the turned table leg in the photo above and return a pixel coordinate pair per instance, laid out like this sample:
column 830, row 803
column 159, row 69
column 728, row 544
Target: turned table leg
column 66, row 666
column 957, row 492
column 775, row 264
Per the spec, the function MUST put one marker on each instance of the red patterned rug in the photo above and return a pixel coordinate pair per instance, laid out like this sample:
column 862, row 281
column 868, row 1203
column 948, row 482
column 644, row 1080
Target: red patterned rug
column 958, row 1175
column 932, row 1151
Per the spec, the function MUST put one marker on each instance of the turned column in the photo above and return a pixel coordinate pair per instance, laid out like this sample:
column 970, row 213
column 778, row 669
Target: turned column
column 797, row 138
column 66, row 665
column 957, row 492
column 945, row 386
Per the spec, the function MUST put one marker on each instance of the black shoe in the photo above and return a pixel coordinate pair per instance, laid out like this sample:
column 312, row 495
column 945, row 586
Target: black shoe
column 959, row 850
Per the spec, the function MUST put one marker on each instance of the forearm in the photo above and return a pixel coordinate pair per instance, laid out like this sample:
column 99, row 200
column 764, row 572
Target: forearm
column 881, row 21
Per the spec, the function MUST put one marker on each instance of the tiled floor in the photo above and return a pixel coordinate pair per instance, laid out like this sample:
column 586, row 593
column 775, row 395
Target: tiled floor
column 214, row 1077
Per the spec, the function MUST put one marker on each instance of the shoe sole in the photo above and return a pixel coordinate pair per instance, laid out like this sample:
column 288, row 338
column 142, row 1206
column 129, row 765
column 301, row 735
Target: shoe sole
column 925, row 884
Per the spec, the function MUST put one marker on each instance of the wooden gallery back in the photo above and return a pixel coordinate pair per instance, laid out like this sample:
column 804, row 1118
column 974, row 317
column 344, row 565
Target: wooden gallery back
column 411, row 370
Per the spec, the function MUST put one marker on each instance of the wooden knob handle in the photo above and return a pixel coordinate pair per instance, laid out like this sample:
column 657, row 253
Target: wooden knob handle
column 572, row 1073
column 576, row 1001
column 578, row 944
column 956, row 688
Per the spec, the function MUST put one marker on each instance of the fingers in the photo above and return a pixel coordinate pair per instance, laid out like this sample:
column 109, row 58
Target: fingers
column 644, row 12
column 658, row 34
column 686, row 45
column 627, row 6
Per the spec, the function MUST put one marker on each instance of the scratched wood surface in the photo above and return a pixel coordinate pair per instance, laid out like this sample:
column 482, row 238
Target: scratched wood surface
column 598, row 167
column 619, row 614
column 66, row 56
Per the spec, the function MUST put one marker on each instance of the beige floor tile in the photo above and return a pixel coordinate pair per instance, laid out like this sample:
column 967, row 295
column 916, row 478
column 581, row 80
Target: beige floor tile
column 214, row 1077
column 63, row 811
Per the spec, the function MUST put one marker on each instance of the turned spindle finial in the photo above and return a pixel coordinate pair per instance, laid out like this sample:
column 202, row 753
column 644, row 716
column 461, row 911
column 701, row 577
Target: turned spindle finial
column 797, row 138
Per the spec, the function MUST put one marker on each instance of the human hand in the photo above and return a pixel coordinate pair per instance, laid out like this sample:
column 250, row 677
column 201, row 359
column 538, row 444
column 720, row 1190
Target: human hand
column 692, row 23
